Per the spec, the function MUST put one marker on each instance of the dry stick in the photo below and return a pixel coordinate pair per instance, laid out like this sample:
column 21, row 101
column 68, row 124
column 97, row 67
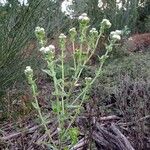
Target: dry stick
column 107, row 139
column 122, row 137
column 134, row 122
column 33, row 140
column 98, row 138
column 108, row 118
column 54, row 132
column 30, row 130
column 82, row 143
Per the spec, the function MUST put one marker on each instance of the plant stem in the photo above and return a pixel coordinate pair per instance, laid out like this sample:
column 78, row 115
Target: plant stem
column 77, row 111
column 51, row 67
column 79, row 71
column 63, row 78
column 74, row 59
column 33, row 85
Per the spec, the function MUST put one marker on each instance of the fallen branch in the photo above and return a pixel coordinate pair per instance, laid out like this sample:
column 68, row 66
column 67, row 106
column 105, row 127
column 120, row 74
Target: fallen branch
column 80, row 145
column 121, row 137
column 110, row 138
column 134, row 122
column 25, row 131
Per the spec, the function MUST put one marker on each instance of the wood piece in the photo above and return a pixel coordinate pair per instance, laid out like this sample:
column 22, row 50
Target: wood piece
column 80, row 145
column 122, row 137
column 110, row 138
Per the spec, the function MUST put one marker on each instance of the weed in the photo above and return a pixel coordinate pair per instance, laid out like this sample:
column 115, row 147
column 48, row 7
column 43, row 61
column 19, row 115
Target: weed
column 65, row 107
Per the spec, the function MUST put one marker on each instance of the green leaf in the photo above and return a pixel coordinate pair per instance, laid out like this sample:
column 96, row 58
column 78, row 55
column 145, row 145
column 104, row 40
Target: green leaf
column 56, row 106
column 47, row 72
column 73, row 133
column 34, row 105
column 71, row 68
column 66, row 148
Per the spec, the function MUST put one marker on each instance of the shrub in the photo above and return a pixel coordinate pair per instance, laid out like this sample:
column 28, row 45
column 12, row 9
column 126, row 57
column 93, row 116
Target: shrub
column 123, row 90
column 144, row 17
column 128, row 99
column 136, row 66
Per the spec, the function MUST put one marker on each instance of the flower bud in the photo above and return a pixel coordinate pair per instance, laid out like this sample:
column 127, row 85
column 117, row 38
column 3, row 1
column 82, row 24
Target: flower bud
column 40, row 35
column 59, row 129
column 106, row 23
column 73, row 33
column 28, row 72
column 84, row 19
column 62, row 36
column 77, row 85
column 52, row 48
column 39, row 32
column 119, row 32
column 112, row 33
column 94, row 32
column 88, row 80
column 42, row 49
column 116, row 37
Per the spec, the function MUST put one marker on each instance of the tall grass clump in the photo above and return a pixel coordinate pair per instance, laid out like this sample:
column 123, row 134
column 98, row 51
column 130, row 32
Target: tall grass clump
column 16, row 27
column 69, row 93
column 17, row 40
column 17, row 23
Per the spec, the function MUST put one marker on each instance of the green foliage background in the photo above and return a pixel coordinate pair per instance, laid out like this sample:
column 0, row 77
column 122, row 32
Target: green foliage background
column 17, row 30
column 128, row 15
column 18, row 22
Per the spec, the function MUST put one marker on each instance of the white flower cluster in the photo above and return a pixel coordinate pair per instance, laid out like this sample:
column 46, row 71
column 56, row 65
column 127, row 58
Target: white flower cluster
column 84, row 17
column 28, row 70
column 62, row 36
column 39, row 29
column 93, row 30
column 48, row 49
column 22, row 2
column 72, row 30
column 119, row 4
column 88, row 78
column 102, row 5
column 116, row 35
column 73, row 34
column 119, row 32
column 66, row 9
column 106, row 23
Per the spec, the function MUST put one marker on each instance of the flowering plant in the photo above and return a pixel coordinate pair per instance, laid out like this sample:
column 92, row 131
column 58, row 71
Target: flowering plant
column 66, row 107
